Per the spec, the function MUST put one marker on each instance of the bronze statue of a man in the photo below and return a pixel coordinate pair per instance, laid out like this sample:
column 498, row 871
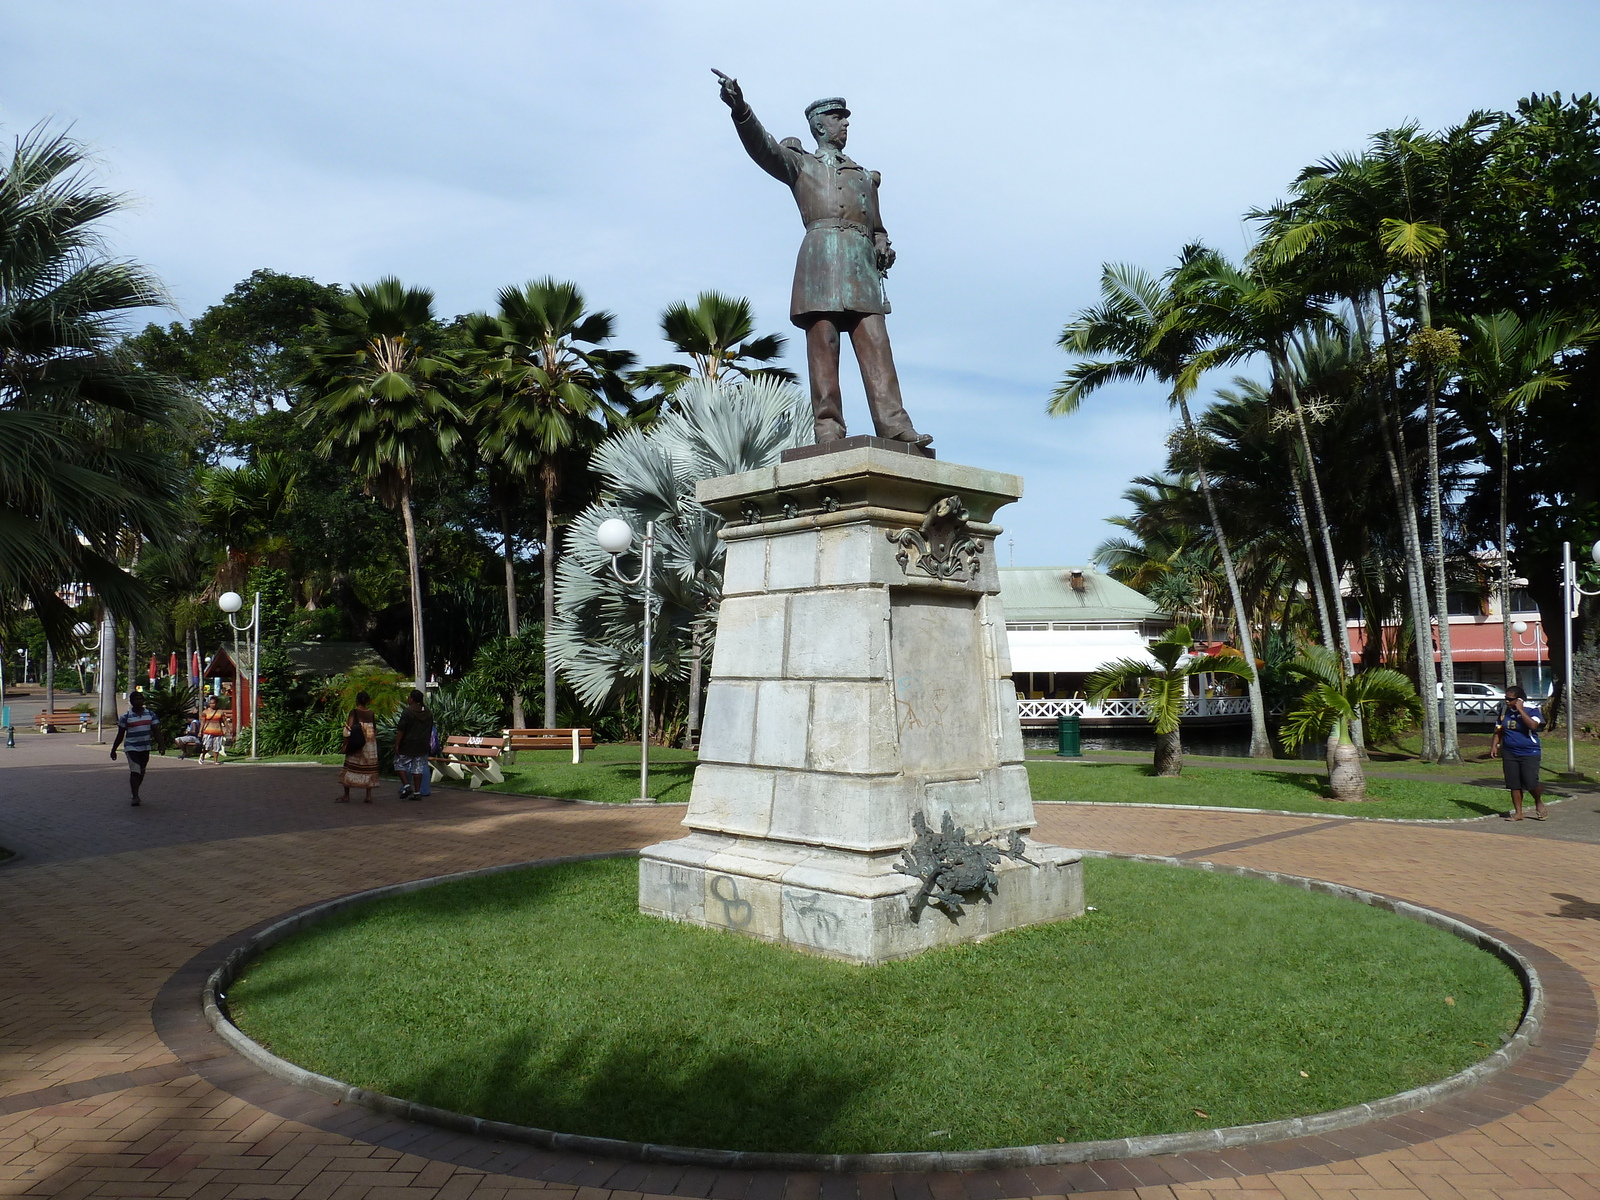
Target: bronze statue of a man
column 838, row 280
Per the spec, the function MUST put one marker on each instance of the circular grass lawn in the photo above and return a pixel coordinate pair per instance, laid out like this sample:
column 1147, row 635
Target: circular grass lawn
column 1185, row 1000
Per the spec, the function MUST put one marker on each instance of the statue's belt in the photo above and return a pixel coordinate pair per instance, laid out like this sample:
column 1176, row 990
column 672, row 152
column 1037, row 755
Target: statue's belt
column 837, row 223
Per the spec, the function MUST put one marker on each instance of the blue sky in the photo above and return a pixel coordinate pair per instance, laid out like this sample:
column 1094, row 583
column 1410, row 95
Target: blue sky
column 469, row 145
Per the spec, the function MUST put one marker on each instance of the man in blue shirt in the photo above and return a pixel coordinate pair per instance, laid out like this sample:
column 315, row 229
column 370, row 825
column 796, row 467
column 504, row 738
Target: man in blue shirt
column 136, row 727
column 1516, row 744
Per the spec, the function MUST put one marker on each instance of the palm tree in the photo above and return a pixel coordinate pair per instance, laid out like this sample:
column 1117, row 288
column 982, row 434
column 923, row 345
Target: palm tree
column 715, row 333
column 1165, row 687
column 1432, row 184
column 713, row 429
column 379, row 394
column 546, row 393
column 1334, row 702
column 1510, row 363
column 1161, row 554
column 1261, row 311
column 1247, row 396
column 1134, row 324
column 1338, row 222
column 88, row 462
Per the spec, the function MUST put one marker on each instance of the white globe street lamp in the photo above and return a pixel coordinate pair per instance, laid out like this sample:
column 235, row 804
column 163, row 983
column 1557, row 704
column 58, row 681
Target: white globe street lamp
column 1571, row 595
column 230, row 603
column 615, row 537
column 82, row 631
column 1520, row 628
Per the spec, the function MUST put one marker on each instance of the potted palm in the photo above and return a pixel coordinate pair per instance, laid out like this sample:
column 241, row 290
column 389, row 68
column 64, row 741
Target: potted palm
column 1333, row 701
column 1165, row 686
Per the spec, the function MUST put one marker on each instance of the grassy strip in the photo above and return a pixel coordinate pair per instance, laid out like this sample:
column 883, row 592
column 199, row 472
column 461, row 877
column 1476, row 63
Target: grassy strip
column 608, row 773
column 1187, row 1000
column 1282, row 791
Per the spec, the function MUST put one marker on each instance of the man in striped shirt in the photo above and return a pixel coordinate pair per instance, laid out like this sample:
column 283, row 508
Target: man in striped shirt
column 136, row 727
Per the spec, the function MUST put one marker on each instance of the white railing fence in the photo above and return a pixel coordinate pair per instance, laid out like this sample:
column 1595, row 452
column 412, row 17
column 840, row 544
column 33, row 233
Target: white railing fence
column 1194, row 706
column 1130, row 710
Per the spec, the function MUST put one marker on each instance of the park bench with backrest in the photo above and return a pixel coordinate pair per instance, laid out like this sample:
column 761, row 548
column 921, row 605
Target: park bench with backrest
column 72, row 719
column 469, row 758
column 576, row 740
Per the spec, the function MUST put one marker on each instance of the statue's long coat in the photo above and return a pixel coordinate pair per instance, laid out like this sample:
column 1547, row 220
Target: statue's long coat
column 837, row 271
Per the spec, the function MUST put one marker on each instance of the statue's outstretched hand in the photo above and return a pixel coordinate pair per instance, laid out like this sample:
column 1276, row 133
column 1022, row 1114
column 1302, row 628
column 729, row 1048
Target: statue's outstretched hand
column 732, row 93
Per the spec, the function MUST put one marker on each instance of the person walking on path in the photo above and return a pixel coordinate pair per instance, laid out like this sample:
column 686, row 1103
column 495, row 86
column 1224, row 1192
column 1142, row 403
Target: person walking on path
column 136, row 727
column 213, row 731
column 1516, row 744
column 413, row 739
column 360, row 751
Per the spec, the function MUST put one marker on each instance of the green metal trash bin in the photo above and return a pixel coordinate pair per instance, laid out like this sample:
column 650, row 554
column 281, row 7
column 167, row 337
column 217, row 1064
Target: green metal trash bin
column 1067, row 743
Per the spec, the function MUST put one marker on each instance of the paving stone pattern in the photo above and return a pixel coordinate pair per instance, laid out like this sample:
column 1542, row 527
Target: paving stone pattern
column 111, row 1086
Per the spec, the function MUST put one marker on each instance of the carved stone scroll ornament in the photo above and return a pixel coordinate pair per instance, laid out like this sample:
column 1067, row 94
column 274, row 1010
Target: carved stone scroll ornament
column 954, row 870
column 943, row 547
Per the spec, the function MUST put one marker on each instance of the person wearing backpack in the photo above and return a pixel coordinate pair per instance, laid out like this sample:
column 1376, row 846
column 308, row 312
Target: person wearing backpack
column 360, row 751
column 414, row 739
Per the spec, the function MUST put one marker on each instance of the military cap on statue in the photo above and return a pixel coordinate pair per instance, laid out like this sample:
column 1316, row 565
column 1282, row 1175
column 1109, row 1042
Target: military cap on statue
column 831, row 104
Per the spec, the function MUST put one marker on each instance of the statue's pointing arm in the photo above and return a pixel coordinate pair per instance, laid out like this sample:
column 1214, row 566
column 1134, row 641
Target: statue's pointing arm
column 776, row 160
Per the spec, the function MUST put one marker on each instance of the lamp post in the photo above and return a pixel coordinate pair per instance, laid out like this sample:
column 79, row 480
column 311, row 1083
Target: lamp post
column 1520, row 628
column 1570, row 595
column 616, row 537
column 230, row 603
column 82, row 630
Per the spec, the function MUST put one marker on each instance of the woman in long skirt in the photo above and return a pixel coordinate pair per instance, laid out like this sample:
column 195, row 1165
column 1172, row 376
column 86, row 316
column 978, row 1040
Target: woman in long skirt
column 360, row 751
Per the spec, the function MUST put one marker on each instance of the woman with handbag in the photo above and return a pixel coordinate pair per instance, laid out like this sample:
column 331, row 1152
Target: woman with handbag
column 360, row 751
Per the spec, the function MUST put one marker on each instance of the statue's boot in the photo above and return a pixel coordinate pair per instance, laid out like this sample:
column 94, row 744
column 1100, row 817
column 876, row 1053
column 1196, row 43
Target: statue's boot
column 920, row 440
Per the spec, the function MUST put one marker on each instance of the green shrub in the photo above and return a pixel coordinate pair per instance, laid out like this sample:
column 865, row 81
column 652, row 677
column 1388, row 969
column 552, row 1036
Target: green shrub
column 173, row 701
column 388, row 690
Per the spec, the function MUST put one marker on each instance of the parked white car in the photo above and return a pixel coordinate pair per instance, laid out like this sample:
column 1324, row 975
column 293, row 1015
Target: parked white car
column 1472, row 691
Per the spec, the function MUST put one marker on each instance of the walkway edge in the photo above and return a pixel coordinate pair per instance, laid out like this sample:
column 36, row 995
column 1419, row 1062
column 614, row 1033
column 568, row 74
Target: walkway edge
column 1527, row 1033
column 1433, row 822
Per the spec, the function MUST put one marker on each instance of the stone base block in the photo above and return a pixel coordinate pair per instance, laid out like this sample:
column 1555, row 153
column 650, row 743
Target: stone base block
column 839, row 904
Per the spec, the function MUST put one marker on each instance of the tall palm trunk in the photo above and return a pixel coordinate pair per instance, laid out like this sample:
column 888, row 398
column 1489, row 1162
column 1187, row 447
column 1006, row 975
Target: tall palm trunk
column 414, row 563
column 133, row 656
column 1314, row 576
column 549, row 599
column 1335, row 590
column 108, row 666
column 518, row 720
column 1260, row 744
column 1505, row 556
column 1341, row 628
column 1399, row 463
column 1449, row 749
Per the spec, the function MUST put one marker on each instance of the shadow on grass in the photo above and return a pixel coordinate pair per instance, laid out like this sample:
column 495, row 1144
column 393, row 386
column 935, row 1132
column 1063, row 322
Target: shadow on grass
column 661, row 1093
column 1315, row 785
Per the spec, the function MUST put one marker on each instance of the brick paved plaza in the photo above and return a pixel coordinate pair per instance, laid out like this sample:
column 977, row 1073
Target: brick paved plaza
column 111, row 1085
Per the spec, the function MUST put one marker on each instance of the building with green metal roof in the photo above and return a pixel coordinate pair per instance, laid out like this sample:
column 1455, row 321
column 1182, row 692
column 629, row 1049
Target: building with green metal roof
column 1062, row 623
column 1076, row 596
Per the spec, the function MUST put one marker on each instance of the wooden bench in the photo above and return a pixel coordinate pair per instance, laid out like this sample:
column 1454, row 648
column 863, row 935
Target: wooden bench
column 549, row 739
column 470, row 758
column 58, row 719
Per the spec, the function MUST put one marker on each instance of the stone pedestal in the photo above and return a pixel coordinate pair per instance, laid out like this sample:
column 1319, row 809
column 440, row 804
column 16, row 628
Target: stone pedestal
column 860, row 678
